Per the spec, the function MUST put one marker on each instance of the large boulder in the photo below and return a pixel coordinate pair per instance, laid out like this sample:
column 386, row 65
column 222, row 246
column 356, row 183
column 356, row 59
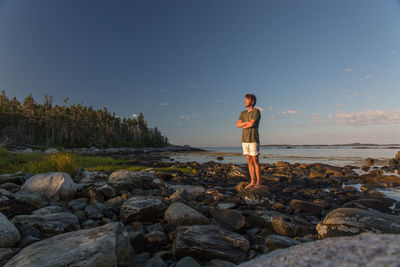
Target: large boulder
column 352, row 221
column 233, row 218
column 53, row 185
column 305, row 206
column 9, row 234
column 107, row 245
column 181, row 214
column 209, row 242
column 125, row 180
column 142, row 208
column 51, row 224
column 367, row 249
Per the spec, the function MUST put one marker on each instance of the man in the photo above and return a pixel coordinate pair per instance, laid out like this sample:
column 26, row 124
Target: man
column 249, row 121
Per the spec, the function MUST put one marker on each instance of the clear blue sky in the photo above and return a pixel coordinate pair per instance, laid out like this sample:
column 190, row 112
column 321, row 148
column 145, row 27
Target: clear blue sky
column 323, row 71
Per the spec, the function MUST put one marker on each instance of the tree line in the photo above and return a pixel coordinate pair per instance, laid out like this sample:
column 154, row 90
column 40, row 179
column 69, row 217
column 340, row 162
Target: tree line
column 29, row 124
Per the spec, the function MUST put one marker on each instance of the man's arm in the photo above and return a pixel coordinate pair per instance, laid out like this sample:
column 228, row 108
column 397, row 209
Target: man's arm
column 246, row 124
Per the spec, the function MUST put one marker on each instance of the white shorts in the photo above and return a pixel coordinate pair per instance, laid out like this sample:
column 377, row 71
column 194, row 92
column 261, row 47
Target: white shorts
column 252, row 149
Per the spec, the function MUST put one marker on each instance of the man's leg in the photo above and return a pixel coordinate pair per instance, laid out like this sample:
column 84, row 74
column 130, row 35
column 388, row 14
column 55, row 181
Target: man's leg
column 251, row 171
column 256, row 167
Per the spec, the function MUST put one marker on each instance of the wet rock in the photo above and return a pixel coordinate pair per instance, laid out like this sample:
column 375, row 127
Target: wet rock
column 142, row 208
column 124, row 180
column 9, row 234
column 187, row 262
column 107, row 245
column 208, row 242
column 304, row 206
column 54, row 223
column 181, row 214
column 277, row 241
column 233, row 218
column 368, row 249
column 52, row 185
column 352, row 221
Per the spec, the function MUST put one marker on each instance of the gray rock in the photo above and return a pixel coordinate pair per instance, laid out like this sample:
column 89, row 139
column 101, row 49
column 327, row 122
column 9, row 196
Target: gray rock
column 157, row 237
column 179, row 195
column 50, row 151
column 187, row 262
column 48, row 210
column 52, row 185
column 95, row 211
column 194, row 190
column 352, row 221
column 277, row 241
column 225, row 206
column 181, row 214
column 142, row 208
column 221, row 263
column 107, row 245
column 9, row 234
column 115, row 202
column 367, row 249
column 6, row 193
column 129, row 180
column 233, row 218
column 36, row 199
column 155, row 261
column 11, row 178
column 6, row 254
column 77, row 204
column 54, row 223
column 208, row 242
column 107, row 191
column 304, row 206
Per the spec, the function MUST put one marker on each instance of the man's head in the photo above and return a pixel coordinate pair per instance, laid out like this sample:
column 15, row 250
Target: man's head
column 250, row 100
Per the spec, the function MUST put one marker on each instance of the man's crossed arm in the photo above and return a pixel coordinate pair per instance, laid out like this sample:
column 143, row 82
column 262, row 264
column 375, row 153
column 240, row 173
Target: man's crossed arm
column 246, row 124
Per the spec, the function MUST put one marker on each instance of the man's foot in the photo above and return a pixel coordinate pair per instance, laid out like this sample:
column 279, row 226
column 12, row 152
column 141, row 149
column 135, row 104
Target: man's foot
column 249, row 185
column 257, row 186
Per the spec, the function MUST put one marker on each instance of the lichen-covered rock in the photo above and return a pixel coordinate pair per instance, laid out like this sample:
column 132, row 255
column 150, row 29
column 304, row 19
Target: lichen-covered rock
column 103, row 246
column 209, row 242
column 352, row 221
column 52, row 185
column 9, row 234
column 181, row 214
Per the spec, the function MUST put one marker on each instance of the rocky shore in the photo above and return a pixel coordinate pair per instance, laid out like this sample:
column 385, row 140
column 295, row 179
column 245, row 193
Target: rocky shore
column 302, row 215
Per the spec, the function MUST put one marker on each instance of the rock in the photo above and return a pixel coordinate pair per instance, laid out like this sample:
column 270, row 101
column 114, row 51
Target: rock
column 187, row 262
column 221, row 263
column 11, row 178
column 33, row 198
column 208, row 242
column 370, row 162
column 52, row 185
column 352, row 221
column 367, row 249
column 282, row 164
column 157, row 237
column 277, row 241
column 54, row 223
column 225, row 206
column 286, row 225
column 233, row 218
column 181, row 214
column 304, row 206
column 124, row 180
column 236, row 172
column 6, row 254
column 107, row 191
column 190, row 189
column 155, row 261
column 179, row 195
column 9, row 234
column 77, row 204
column 48, row 210
column 95, row 210
column 107, row 245
column 220, row 158
column 115, row 202
column 50, row 151
column 11, row 187
column 142, row 208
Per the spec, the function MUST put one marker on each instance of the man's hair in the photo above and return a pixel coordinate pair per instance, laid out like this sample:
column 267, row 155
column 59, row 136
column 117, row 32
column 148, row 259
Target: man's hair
column 252, row 97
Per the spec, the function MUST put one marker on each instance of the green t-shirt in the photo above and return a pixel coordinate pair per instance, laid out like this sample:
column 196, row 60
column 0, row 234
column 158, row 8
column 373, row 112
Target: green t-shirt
column 250, row 135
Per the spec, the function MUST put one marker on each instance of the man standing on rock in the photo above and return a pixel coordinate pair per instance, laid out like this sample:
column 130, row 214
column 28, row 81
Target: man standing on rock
column 249, row 121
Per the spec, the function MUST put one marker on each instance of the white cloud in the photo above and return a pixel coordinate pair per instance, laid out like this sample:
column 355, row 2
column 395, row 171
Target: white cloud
column 134, row 115
column 187, row 117
column 290, row 111
column 348, row 70
column 369, row 76
column 394, row 52
column 270, row 107
column 164, row 104
column 366, row 117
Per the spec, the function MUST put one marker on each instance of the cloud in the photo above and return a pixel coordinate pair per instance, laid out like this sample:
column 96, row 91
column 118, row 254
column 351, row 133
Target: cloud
column 189, row 116
column 369, row 76
column 164, row 104
column 348, row 70
column 134, row 115
column 394, row 52
column 366, row 117
column 193, row 85
column 290, row 112
column 270, row 107
column 339, row 104
column 260, row 109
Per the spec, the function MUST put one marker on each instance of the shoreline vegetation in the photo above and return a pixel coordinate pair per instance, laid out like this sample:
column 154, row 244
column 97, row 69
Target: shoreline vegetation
column 29, row 124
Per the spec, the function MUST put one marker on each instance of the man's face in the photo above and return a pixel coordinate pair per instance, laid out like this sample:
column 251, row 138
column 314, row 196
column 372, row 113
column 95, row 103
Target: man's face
column 248, row 102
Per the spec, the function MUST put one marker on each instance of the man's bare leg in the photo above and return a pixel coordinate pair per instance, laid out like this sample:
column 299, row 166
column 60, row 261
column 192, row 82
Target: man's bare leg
column 256, row 166
column 251, row 171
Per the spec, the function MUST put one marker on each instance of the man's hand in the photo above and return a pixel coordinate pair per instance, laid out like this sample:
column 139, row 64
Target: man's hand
column 246, row 124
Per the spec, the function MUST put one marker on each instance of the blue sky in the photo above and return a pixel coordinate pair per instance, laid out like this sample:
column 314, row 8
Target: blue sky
column 324, row 72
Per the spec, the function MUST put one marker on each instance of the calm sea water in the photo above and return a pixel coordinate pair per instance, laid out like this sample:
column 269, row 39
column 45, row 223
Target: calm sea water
column 333, row 155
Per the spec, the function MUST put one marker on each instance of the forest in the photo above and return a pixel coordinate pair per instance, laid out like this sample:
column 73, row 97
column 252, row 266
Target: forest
column 30, row 124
